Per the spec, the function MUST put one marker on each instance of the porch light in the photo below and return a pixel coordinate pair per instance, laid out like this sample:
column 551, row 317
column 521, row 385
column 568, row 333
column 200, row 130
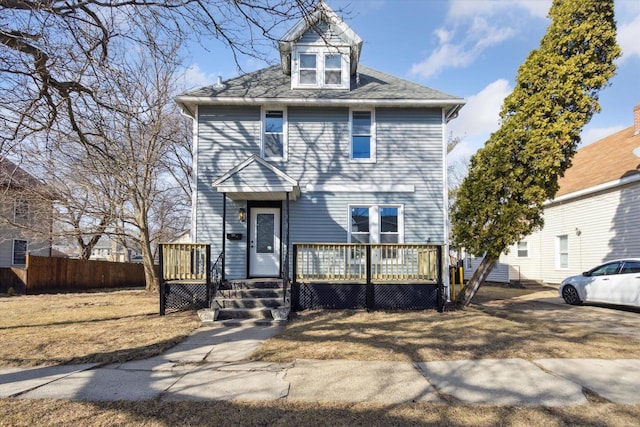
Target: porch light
column 242, row 215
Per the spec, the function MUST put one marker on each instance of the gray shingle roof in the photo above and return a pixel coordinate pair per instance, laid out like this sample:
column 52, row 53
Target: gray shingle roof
column 272, row 83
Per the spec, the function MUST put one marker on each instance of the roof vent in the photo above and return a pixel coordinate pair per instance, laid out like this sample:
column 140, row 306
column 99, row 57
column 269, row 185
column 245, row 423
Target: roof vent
column 219, row 84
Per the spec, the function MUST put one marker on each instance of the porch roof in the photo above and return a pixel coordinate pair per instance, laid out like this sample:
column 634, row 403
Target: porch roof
column 256, row 179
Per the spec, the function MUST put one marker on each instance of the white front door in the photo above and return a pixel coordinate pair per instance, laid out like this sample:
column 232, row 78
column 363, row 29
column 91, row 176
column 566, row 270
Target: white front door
column 264, row 246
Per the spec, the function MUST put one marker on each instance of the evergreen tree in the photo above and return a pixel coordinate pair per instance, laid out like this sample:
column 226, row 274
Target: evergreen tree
column 556, row 94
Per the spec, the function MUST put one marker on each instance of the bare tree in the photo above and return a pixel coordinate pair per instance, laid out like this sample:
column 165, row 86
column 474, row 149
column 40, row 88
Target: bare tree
column 96, row 79
column 52, row 53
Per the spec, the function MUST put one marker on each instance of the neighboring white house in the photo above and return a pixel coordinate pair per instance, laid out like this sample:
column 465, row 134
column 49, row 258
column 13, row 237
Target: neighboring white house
column 109, row 250
column 595, row 216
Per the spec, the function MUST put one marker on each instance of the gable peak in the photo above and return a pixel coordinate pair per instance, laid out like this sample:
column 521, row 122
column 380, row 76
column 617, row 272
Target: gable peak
column 322, row 13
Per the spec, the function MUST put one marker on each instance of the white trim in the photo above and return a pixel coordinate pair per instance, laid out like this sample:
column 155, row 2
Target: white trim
column 319, row 51
column 365, row 103
column 372, row 136
column 526, row 242
column 596, row 188
column 194, row 171
column 233, row 188
column 247, row 162
column 558, row 253
column 374, row 220
column 360, row 188
column 285, row 139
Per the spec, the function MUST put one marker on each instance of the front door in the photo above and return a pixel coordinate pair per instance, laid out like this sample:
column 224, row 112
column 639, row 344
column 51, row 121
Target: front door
column 264, row 246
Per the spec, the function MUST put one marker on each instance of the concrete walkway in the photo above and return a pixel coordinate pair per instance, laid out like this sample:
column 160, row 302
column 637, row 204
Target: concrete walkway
column 211, row 365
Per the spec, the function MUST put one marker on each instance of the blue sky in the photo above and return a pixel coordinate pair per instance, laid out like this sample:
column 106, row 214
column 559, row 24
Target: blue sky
column 468, row 48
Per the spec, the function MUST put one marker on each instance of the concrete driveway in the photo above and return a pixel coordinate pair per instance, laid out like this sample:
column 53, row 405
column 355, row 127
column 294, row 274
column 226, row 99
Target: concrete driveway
column 548, row 305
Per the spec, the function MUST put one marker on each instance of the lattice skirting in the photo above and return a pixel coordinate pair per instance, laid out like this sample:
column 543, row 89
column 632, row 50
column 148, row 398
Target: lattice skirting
column 354, row 296
column 180, row 297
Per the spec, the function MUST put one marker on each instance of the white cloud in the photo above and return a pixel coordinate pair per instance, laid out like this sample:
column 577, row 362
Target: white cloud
column 465, row 8
column 595, row 134
column 472, row 26
column 628, row 36
column 478, row 119
column 195, row 77
column 480, row 36
column 480, row 116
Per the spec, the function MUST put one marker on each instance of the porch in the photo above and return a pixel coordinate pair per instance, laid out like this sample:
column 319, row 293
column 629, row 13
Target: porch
column 324, row 275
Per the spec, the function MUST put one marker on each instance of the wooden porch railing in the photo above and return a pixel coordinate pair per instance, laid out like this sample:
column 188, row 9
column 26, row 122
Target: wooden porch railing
column 185, row 261
column 366, row 263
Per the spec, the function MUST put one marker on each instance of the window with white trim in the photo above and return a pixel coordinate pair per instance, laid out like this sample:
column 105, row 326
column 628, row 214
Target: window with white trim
column 562, row 255
column 308, row 69
column 19, row 252
column 523, row 249
column 21, row 209
column 320, row 67
column 332, row 69
column 376, row 224
column 274, row 141
column 362, row 125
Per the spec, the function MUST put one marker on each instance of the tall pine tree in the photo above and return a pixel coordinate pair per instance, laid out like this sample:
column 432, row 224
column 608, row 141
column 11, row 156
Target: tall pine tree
column 556, row 94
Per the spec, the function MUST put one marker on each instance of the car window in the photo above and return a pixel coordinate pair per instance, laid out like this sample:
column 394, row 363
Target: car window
column 607, row 269
column 631, row 267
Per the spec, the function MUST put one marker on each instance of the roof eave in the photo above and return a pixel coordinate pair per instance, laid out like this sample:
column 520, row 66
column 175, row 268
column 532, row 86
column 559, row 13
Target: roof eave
column 450, row 105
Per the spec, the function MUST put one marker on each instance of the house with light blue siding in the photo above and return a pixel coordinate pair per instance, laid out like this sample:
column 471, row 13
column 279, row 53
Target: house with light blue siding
column 318, row 149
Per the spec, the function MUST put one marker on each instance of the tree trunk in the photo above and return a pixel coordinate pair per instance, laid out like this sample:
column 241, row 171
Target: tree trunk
column 479, row 276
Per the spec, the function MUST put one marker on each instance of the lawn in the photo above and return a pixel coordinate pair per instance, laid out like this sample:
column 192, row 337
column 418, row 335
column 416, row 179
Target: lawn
column 124, row 325
column 493, row 331
column 102, row 327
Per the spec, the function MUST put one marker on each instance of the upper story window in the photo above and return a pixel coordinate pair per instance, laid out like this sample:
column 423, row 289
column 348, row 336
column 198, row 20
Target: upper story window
column 274, row 138
column 362, row 136
column 308, row 69
column 320, row 67
column 332, row 69
column 21, row 209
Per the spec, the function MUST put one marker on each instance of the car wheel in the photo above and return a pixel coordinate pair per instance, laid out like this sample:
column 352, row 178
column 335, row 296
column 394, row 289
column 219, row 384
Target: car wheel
column 570, row 295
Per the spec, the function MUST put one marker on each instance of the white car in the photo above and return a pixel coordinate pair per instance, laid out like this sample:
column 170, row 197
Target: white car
column 615, row 282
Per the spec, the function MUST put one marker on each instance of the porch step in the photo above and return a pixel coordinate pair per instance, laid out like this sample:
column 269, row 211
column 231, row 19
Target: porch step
column 252, row 293
column 252, row 284
column 247, row 302
column 243, row 302
column 250, row 322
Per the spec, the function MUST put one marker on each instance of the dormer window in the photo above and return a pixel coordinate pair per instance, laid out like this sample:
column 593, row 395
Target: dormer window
column 308, row 69
column 320, row 67
column 332, row 69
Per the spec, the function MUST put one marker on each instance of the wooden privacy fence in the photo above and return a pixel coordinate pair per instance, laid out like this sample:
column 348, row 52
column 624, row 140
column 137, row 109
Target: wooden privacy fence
column 46, row 274
column 13, row 277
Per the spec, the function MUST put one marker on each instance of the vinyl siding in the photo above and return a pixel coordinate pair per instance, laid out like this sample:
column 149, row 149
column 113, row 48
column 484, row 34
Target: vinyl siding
column 326, row 36
column 227, row 135
column 609, row 227
column 409, row 152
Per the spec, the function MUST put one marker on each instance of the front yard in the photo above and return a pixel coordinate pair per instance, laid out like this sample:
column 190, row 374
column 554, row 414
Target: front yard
column 123, row 325
column 102, row 327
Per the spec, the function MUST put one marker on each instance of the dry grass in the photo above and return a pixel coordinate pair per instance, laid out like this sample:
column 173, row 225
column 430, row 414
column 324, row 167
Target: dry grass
column 118, row 326
column 101, row 327
column 498, row 332
column 155, row 413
